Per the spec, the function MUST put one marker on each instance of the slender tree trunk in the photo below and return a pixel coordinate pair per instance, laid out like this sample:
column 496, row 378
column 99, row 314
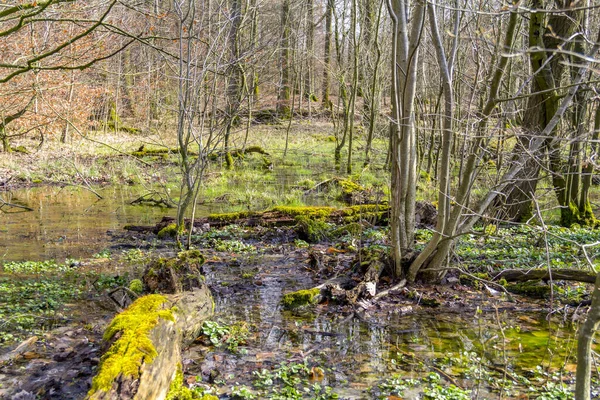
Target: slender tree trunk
column 234, row 87
column 584, row 346
column 283, row 104
column 405, row 62
column 327, row 53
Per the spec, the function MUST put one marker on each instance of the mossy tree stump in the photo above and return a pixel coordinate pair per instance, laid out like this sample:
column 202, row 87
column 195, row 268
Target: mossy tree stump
column 145, row 341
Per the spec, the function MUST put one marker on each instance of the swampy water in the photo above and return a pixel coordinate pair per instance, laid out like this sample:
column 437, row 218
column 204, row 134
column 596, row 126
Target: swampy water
column 487, row 348
column 496, row 347
column 68, row 222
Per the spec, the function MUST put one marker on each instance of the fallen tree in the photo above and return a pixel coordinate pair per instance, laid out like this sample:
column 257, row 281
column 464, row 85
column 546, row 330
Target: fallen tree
column 516, row 275
column 374, row 214
column 143, row 356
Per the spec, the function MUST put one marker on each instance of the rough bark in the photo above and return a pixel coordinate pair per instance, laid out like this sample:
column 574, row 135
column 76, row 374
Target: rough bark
column 547, row 66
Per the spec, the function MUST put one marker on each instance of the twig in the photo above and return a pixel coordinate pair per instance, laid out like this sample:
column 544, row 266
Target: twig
column 5, row 203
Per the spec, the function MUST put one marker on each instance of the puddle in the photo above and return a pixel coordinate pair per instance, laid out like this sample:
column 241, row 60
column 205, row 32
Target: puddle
column 358, row 354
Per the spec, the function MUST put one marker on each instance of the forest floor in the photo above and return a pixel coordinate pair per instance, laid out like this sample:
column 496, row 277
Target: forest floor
column 472, row 336
column 460, row 339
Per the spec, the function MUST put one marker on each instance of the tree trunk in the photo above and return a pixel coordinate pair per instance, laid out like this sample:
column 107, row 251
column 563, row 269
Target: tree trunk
column 584, row 346
column 547, row 66
column 188, row 311
column 283, row 104
column 327, row 52
column 234, row 87
column 405, row 61
column 146, row 339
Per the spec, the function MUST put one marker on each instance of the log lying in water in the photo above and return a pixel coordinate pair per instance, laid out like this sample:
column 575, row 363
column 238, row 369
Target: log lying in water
column 144, row 356
column 515, row 275
column 376, row 214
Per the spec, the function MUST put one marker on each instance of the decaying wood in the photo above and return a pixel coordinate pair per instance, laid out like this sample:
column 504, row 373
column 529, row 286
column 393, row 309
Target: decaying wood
column 18, row 352
column 190, row 307
column 515, row 275
column 367, row 288
column 269, row 218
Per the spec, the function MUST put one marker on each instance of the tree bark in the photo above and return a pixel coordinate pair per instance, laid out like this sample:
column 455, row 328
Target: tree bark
column 190, row 310
column 405, row 61
column 584, row 346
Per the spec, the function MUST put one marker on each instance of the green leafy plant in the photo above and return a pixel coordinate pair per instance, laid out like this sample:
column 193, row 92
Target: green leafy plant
column 242, row 393
column 222, row 335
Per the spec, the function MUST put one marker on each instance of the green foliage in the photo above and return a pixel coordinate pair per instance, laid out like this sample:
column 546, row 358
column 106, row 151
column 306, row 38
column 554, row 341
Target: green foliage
column 289, row 381
column 232, row 246
column 35, row 267
column 301, row 244
column 133, row 347
column 242, row 393
column 134, row 256
column 222, row 335
column 103, row 254
column 438, row 391
column 396, row 385
column 31, row 306
column 524, row 247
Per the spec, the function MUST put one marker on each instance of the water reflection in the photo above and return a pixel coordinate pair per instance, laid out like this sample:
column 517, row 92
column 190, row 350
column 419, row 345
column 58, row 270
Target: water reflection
column 359, row 353
column 68, row 222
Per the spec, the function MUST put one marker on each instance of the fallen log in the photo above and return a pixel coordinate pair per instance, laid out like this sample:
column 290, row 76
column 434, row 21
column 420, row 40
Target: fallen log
column 517, row 275
column 144, row 356
column 375, row 214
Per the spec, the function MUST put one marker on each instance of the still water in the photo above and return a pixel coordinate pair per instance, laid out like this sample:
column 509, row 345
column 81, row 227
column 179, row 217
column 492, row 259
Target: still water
column 68, row 222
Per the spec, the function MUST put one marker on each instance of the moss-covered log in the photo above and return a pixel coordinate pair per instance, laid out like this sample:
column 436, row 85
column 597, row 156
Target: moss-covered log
column 374, row 214
column 145, row 341
column 577, row 275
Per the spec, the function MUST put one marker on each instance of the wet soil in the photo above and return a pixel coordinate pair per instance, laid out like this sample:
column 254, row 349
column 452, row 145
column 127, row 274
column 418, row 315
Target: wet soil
column 411, row 332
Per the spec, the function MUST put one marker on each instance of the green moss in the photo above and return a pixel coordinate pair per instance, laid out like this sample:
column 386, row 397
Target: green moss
column 136, row 286
column 573, row 217
column 301, row 298
column 469, row 280
column 231, row 217
column 193, row 256
column 311, row 230
column 228, row 160
column 349, row 187
column 178, row 391
column 20, row 149
column 375, row 213
column 531, row 289
column 353, row 228
column 133, row 347
column 255, row 149
column 168, row 231
column 144, row 152
column 313, row 212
